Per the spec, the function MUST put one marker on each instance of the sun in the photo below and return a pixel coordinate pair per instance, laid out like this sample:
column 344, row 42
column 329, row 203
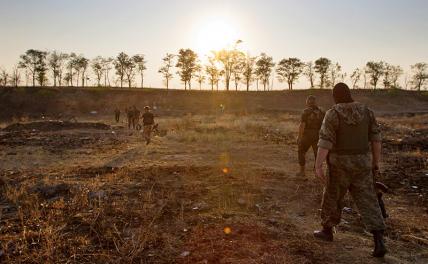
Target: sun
column 215, row 34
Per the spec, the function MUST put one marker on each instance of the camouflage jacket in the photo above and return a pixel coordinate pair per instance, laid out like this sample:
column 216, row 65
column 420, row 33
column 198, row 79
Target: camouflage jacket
column 351, row 113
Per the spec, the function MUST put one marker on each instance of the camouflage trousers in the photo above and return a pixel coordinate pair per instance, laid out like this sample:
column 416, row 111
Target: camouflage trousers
column 304, row 145
column 351, row 173
column 147, row 131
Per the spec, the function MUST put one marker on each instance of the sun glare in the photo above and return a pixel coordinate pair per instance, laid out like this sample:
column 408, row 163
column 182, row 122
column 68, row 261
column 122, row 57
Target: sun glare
column 215, row 35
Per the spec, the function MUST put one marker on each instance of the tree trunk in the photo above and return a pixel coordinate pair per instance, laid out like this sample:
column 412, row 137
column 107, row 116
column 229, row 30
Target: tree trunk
column 142, row 80
column 34, row 78
column 167, row 83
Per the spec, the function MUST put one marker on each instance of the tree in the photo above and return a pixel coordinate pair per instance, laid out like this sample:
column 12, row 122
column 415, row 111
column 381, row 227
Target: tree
column 229, row 60
column 56, row 63
column 375, row 71
column 309, row 71
column 35, row 62
column 130, row 66
column 391, row 74
column 213, row 72
column 264, row 67
column 238, row 69
column 107, row 66
column 289, row 70
column 82, row 64
column 420, row 74
column 4, row 77
column 165, row 70
column 335, row 73
column 120, row 65
column 140, row 62
column 187, row 64
column 355, row 77
column 200, row 76
column 248, row 70
column 321, row 67
column 16, row 76
column 72, row 59
column 97, row 68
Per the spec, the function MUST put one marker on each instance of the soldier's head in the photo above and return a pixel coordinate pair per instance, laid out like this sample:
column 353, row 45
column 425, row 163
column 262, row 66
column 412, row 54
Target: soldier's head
column 147, row 108
column 342, row 94
column 311, row 101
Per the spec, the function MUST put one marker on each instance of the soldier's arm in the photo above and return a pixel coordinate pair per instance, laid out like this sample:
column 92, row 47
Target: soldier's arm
column 375, row 140
column 327, row 134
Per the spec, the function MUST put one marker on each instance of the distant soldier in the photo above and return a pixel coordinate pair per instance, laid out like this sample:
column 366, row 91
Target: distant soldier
column 136, row 117
column 309, row 127
column 129, row 115
column 346, row 133
column 117, row 114
column 148, row 122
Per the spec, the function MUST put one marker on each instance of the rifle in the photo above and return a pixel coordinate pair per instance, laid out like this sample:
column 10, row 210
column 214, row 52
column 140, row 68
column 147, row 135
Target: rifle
column 380, row 189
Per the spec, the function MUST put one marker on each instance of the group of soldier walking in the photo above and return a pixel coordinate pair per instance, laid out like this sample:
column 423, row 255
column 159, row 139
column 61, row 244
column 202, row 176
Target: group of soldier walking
column 344, row 137
column 133, row 116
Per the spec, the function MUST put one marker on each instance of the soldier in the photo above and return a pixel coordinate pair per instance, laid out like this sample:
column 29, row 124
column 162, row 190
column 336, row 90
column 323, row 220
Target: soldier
column 148, row 122
column 129, row 115
column 136, row 117
column 346, row 133
column 309, row 127
column 117, row 114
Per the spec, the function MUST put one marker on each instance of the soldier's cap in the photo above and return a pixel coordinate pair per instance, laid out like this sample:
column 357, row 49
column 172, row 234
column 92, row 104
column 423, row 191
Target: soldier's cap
column 146, row 107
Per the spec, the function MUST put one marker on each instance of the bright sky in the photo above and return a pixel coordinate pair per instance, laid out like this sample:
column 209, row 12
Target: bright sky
column 350, row 32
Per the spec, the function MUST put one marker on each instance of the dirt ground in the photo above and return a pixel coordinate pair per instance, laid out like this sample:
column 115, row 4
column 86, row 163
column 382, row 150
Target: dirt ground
column 217, row 188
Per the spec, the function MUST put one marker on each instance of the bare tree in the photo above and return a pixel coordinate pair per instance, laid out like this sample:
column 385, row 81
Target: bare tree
column 375, row 71
column 187, row 65
column 165, row 70
column 199, row 75
column 238, row 68
column 289, row 70
column 107, row 66
column 335, row 73
column 264, row 69
column 4, row 77
column 309, row 71
column 16, row 76
column 420, row 74
column 321, row 67
column 355, row 77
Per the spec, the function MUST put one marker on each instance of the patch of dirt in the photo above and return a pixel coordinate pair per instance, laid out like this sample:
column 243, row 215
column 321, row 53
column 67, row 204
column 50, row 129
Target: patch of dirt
column 54, row 126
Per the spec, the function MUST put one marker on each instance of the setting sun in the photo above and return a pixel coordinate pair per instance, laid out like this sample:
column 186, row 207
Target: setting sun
column 214, row 35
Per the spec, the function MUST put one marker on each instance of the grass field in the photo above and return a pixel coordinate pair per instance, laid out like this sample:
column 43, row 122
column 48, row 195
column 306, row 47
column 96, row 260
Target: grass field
column 212, row 188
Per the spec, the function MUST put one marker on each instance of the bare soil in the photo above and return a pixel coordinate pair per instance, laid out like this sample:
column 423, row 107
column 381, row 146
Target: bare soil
column 218, row 188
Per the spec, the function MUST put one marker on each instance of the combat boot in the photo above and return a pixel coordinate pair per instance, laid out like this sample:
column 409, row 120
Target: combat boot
column 301, row 173
column 380, row 249
column 325, row 234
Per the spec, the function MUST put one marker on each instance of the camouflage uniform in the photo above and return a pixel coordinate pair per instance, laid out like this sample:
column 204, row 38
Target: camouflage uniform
column 349, row 170
column 312, row 118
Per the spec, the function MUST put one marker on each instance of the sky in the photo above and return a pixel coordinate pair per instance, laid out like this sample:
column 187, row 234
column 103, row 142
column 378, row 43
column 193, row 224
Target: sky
column 346, row 31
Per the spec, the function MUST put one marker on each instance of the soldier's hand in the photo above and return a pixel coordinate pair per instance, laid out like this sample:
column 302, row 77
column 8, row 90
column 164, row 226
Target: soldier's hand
column 319, row 171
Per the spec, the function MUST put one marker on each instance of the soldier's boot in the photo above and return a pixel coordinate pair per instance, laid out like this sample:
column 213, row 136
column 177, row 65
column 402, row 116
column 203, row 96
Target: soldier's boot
column 380, row 249
column 301, row 173
column 325, row 234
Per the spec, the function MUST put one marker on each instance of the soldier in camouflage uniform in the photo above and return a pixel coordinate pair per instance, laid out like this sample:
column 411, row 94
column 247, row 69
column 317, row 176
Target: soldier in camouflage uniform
column 309, row 127
column 346, row 133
